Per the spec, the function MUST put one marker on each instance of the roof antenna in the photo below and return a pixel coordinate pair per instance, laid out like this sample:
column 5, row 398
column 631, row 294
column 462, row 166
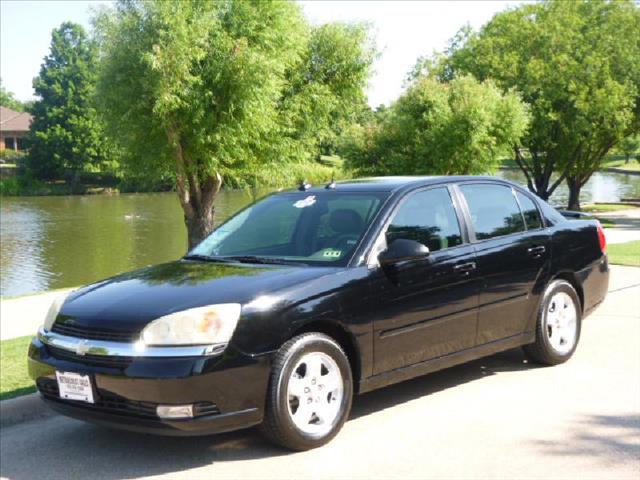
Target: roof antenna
column 304, row 186
column 332, row 184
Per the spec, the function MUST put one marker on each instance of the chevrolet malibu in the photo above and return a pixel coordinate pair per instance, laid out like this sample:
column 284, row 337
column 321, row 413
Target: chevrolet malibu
column 308, row 297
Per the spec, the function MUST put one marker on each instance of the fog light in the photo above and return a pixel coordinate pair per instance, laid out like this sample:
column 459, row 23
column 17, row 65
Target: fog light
column 175, row 411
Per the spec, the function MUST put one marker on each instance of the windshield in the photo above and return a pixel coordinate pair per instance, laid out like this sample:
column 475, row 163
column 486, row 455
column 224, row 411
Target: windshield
column 299, row 227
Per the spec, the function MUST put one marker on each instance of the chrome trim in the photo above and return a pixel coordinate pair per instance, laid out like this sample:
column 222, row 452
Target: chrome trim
column 83, row 346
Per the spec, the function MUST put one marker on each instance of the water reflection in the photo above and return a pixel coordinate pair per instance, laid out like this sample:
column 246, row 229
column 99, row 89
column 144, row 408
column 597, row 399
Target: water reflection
column 602, row 187
column 56, row 242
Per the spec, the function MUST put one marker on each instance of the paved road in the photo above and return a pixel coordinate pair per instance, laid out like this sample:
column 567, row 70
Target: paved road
column 495, row 418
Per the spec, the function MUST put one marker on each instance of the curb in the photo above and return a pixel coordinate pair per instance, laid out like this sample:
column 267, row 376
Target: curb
column 23, row 409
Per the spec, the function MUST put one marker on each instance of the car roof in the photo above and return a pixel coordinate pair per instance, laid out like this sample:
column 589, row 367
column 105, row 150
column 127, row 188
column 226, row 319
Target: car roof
column 393, row 184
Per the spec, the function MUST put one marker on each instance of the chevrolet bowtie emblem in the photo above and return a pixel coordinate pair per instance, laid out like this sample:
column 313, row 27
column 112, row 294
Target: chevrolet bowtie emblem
column 82, row 348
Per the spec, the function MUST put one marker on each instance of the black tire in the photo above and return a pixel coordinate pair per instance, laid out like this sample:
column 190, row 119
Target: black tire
column 278, row 425
column 541, row 351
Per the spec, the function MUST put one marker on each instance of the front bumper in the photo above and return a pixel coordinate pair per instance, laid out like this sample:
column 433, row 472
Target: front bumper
column 228, row 388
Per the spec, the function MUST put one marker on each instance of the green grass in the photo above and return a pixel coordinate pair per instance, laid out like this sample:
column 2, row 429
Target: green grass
column 606, row 222
column 620, row 163
column 14, row 379
column 607, row 207
column 625, row 253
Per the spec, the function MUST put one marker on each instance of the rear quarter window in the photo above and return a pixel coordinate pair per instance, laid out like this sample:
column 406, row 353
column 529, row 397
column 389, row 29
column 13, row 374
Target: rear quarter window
column 530, row 211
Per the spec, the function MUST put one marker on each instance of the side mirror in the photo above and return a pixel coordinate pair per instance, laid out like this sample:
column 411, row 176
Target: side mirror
column 402, row 250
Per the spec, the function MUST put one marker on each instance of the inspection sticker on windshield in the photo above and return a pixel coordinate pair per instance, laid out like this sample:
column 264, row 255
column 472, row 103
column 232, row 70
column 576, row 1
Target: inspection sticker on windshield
column 305, row 202
column 74, row 386
column 332, row 253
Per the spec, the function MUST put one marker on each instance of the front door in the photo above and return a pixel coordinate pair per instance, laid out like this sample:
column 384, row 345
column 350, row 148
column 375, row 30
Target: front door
column 511, row 251
column 427, row 308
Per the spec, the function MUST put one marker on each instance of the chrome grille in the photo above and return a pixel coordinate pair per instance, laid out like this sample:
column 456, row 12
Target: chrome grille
column 94, row 333
column 94, row 360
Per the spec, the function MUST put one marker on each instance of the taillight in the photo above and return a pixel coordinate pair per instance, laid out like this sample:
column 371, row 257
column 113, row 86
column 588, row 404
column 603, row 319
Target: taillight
column 601, row 238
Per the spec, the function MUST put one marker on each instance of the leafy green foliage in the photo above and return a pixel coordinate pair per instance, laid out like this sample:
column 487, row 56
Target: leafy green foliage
column 8, row 99
column 577, row 64
column 66, row 133
column 214, row 91
column 459, row 127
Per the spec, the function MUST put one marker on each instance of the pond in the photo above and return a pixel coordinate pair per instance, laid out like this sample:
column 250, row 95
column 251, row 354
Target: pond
column 56, row 242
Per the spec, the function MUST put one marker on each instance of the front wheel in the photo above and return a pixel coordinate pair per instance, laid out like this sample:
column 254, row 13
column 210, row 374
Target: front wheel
column 310, row 392
column 558, row 325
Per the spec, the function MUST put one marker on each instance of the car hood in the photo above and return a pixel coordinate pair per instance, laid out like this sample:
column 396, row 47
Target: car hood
column 128, row 302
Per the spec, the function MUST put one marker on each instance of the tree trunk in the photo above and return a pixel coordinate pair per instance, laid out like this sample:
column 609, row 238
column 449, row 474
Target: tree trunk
column 542, row 188
column 196, row 194
column 574, row 185
column 198, row 208
column 198, row 226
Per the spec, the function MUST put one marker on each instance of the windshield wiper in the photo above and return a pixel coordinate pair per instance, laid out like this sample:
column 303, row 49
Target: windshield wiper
column 206, row 258
column 262, row 260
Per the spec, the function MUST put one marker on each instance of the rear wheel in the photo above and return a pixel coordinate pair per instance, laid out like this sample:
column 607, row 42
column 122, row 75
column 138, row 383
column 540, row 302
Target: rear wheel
column 310, row 392
column 558, row 325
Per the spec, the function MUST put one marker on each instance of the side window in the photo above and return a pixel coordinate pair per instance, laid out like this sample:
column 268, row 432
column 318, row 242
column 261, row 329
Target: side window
column 494, row 211
column 530, row 211
column 427, row 217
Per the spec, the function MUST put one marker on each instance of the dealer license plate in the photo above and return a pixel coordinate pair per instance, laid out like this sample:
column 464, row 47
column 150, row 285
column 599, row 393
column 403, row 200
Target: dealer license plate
column 73, row 386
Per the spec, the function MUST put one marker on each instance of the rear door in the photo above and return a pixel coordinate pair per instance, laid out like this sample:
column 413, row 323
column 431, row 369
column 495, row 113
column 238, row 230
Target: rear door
column 512, row 252
column 426, row 308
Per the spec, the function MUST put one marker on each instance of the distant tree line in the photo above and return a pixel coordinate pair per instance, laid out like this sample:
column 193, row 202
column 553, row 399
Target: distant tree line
column 206, row 94
column 9, row 100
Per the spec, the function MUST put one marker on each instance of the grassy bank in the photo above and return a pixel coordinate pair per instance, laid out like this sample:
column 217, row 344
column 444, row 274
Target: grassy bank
column 625, row 253
column 14, row 379
column 607, row 207
column 22, row 185
column 633, row 164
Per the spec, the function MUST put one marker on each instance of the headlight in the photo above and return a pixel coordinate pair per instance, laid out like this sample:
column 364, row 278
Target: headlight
column 54, row 310
column 196, row 326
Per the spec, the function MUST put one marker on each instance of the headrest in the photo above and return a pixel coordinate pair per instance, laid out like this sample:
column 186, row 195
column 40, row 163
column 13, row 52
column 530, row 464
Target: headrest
column 346, row 221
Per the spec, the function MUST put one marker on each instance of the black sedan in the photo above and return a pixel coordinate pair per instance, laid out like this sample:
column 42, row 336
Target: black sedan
column 307, row 297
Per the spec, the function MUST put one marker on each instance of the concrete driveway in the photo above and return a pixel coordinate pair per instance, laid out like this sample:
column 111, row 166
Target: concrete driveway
column 494, row 418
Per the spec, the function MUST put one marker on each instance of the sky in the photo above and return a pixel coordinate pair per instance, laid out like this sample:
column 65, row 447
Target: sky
column 403, row 31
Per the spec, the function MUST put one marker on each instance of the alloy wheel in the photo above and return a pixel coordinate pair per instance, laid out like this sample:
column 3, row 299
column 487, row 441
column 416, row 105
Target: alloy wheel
column 561, row 323
column 314, row 393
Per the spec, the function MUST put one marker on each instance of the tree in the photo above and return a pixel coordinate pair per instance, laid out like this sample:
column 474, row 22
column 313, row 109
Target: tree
column 630, row 145
column 459, row 127
column 8, row 99
column 216, row 91
column 66, row 133
column 577, row 64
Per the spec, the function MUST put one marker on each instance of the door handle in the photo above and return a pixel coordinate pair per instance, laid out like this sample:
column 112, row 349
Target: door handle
column 536, row 251
column 465, row 268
